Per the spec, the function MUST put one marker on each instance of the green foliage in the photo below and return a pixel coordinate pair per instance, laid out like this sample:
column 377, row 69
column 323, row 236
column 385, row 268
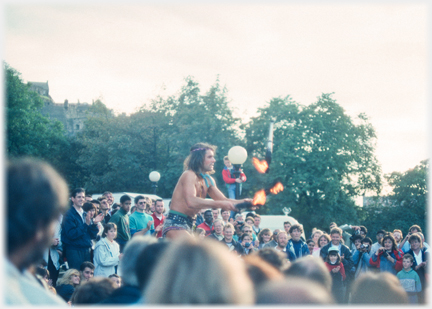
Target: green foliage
column 321, row 156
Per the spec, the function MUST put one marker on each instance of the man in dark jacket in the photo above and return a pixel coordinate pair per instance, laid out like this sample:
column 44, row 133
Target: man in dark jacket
column 78, row 230
column 228, row 231
column 296, row 247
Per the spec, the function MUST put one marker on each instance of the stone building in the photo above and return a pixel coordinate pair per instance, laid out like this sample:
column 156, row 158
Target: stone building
column 72, row 115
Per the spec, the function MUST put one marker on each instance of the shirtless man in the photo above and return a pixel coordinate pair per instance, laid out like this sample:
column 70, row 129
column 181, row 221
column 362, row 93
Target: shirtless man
column 191, row 190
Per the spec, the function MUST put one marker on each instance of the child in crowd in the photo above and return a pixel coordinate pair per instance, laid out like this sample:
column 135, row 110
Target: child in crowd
column 409, row 279
column 337, row 272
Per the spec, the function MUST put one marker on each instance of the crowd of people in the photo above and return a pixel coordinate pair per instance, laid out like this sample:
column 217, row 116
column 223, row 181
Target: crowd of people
column 86, row 250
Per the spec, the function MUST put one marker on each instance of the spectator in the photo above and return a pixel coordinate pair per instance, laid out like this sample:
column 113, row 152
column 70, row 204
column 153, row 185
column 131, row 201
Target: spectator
column 36, row 197
column 88, row 198
column 256, row 224
column 345, row 235
column 158, row 217
column 337, row 272
column 387, row 258
column 207, row 225
column 228, row 231
column 90, row 210
column 310, row 243
column 230, row 181
column 129, row 292
column 226, row 280
column 87, row 271
column 121, row 219
column 420, row 261
column 110, row 199
column 379, row 236
column 78, row 231
column 54, row 253
column 141, row 223
column 225, row 216
column 315, row 236
column 273, row 242
column 287, row 226
column 260, row 271
column 94, row 291
column 247, row 228
column 282, row 242
column 264, row 237
column 246, row 242
column 405, row 245
column 296, row 248
column 116, row 279
column 107, row 252
column 369, row 289
column 361, row 257
column 398, row 236
column 409, row 279
column 67, row 283
column 323, row 240
column 275, row 258
column 200, row 233
column 217, row 234
column 105, row 209
column 215, row 214
column 312, row 269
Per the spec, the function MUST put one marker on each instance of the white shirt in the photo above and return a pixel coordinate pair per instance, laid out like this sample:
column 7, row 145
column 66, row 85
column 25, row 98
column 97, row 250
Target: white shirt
column 418, row 257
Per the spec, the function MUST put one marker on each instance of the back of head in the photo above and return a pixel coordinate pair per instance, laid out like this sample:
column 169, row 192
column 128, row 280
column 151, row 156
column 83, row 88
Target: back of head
column 261, row 271
column 299, row 291
column 378, row 288
column 92, row 292
column 133, row 248
column 193, row 272
column 275, row 258
column 311, row 268
column 36, row 195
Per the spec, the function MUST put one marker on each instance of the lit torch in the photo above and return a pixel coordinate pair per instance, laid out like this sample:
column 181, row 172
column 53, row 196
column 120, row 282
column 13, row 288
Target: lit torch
column 260, row 197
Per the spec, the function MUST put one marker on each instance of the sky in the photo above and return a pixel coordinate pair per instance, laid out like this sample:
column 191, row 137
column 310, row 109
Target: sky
column 373, row 57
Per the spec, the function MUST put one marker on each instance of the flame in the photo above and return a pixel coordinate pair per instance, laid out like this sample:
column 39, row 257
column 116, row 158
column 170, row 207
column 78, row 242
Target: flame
column 259, row 198
column 277, row 188
column 261, row 166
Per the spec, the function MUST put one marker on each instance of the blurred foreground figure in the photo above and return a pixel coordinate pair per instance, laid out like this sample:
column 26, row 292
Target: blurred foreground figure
column 93, row 291
column 36, row 196
column 293, row 290
column 193, row 272
column 380, row 288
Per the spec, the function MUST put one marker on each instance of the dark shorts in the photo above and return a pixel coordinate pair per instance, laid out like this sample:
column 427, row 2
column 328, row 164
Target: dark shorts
column 177, row 221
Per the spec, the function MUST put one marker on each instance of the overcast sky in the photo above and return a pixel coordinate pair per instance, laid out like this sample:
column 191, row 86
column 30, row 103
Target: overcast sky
column 374, row 58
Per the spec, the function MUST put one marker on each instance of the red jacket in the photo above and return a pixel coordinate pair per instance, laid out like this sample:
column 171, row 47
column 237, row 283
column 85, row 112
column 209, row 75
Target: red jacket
column 398, row 254
column 226, row 174
column 206, row 228
column 342, row 268
column 157, row 222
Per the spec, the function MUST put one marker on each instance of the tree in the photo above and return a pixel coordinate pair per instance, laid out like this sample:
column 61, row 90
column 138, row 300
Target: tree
column 322, row 157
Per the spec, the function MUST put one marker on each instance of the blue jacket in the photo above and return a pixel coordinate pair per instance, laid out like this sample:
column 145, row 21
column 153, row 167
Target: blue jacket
column 304, row 250
column 75, row 233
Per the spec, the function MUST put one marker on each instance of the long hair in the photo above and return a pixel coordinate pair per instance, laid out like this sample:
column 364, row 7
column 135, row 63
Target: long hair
column 66, row 278
column 212, row 273
column 261, row 234
column 390, row 236
column 195, row 159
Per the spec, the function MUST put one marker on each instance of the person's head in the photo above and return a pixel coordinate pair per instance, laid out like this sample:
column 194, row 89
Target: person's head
column 336, row 236
column 379, row 235
column 159, row 207
column 300, row 291
column 149, row 257
column 215, row 214
column 415, row 229
column 88, row 197
column 323, row 240
column 228, row 231
column 225, row 215
column 311, row 268
column 247, row 229
column 264, row 236
column 260, row 271
column 282, row 239
column 133, row 209
column 369, row 286
column 43, row 272
column 103, row 203
column 246, row 239
column 363, row 230
column 110, row 231
column 36, row 196
column 129, row 260
column 87, row 270
column 389, row 243
column 152, row 206
column 116, row 279
column 96, row 204
column 208, row 217
column 186, row 260
column 311, row 244
column 257, row 220
column 275, row 258
column 415, row 241
column 407, row 261
column 367, row 243
column 275, row 234
column 201, row 158
column 227, row 162
column 333, row 256
column 250, row 220
column 200, row 233
column 78, row 197
column 398, row 235
column 295, row 231
column 239, row 218
column 109, row 197
column 93, row 291
column 316, row 235
column 218, row 226
column 71, row 276
column 332, row 225
column 90, row 209
column 357, row 239
column 125, row 202
column 287, row 226
column 142, row 203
